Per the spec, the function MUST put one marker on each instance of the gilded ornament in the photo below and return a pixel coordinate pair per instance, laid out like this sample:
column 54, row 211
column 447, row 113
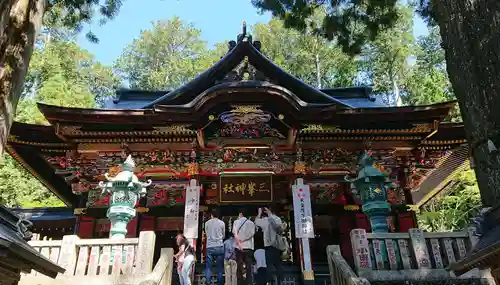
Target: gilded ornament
column 113, row 171
column 80, row 211
column 245, row 109
column 142, row 209
column 193, row 169
column 299, row 167
column 173, row 129
column 351, row 207
column 320, row 129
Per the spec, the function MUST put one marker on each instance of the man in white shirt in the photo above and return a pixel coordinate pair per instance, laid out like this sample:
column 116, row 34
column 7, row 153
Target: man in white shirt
column 215, row 231
column 244, row 230
column 271, row 225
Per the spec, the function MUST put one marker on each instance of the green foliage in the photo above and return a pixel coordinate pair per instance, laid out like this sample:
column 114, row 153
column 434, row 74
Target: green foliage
column 63, row 74
column 352, row 23
column 166, row 57
column 386, row 58
column 303, row 54
column 72, row 15
column 453, row 209
column 427, row 81
column 18, row 188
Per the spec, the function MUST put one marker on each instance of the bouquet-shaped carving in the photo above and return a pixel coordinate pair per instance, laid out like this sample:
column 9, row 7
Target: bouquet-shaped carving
column 125, row 190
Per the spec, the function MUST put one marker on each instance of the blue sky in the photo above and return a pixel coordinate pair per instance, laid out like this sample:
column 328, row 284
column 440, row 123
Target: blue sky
column 218, row 20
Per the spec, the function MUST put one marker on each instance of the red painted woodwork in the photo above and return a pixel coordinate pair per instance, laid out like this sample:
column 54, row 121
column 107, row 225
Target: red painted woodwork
column 170, row 224
column 132, row 228
column 362, row 222
column 102, row 226
column 85, row 227
column 346, row 247
column 345, row 223
column 405, row 222
column 147, row 223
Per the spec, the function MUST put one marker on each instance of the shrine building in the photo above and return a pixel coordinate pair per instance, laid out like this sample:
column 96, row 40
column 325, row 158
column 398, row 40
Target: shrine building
column 245, row 131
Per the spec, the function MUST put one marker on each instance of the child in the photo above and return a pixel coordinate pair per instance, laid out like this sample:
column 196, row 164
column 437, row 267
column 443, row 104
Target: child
column 230, row 264
column 260, row 267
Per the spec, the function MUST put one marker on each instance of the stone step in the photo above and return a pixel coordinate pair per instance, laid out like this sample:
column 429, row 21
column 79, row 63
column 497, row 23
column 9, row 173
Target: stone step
column 292, row 275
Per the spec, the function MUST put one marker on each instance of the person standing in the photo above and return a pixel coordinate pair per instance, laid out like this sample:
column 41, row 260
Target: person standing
column 185, row 249
column 271, row 226
column 188, row 264
column 230, row 260
column 244, row 230
column 215, row 230
column 260, row 267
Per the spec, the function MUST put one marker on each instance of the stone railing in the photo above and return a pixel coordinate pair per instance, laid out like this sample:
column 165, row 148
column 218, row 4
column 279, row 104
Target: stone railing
column 104, row 261
column 401, row 257
column 340, row 271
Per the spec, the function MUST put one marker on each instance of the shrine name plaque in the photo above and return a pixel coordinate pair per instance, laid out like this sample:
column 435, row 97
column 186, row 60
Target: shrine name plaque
column 246, row 189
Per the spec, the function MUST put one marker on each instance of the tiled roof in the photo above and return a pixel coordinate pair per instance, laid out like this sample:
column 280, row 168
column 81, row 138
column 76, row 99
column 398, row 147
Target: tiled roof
column 12, row 235
column 440, row 177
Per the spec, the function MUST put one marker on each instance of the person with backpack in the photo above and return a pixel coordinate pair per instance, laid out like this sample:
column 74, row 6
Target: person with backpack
column 230, row 264
column 244, row 230
column 274, row 242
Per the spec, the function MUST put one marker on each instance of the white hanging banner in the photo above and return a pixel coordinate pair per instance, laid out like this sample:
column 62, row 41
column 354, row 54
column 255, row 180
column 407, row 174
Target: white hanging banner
column 191, row 210
column 302, row 211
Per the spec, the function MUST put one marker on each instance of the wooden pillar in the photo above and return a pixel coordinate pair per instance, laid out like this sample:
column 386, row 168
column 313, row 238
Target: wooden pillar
column 303, row 227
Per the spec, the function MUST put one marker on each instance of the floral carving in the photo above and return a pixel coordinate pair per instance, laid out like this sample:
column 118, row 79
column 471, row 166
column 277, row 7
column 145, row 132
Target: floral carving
column 245, row 115
column 242, row 155
column 339, row 157
column 247, row 132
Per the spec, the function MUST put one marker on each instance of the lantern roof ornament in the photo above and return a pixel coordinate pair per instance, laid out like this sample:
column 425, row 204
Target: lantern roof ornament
column 129, row 164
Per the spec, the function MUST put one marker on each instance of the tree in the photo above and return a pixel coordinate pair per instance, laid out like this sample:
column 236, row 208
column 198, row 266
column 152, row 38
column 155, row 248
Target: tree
column 427, row 81
column 386, row 58
column 165, row 57
column 307, row 56
column 60, row 73
column 453, row 210
column 469, row 30
column 18, row 187
column 20, row 23
column 63, row 74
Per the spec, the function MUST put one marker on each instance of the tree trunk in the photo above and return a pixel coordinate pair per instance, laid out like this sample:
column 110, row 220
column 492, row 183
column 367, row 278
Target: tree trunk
column 318, row 72
column 395, row 91
column 471, row 38
column 18, row 34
